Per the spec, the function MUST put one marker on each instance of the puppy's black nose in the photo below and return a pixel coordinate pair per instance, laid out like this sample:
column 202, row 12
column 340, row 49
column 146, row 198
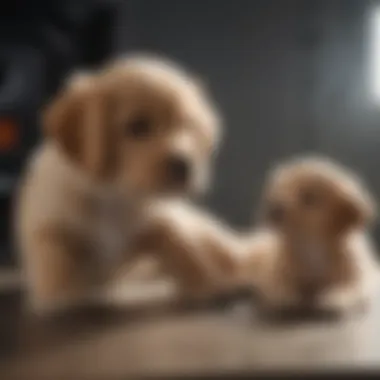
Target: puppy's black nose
column 178, row 169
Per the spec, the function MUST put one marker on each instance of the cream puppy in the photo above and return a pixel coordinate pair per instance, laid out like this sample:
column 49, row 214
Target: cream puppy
column 138, row 129
column 315, row 250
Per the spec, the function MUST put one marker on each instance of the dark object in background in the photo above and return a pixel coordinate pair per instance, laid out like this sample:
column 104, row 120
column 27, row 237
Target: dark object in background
column 40, row 42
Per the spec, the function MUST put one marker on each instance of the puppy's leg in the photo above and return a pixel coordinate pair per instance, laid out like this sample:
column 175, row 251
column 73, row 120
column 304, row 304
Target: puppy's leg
column 186, row 260
column 142, row 267
column 58, row 270
column 342, row 300
column 198, row 252
column 356, row 296
column 356, row 287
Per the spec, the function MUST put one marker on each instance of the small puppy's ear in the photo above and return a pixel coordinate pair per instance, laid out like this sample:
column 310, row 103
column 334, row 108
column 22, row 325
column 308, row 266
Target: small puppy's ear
column 356, row 207
column 77, row 121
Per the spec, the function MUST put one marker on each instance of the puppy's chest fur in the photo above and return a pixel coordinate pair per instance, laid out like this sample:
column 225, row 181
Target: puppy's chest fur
column 59, row 197
column 111, row 225
column 315, row 267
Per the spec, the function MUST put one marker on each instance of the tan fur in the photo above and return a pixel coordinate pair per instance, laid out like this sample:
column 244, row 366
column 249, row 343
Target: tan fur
column 86, row 187
column 316, row 250
column 182, row 236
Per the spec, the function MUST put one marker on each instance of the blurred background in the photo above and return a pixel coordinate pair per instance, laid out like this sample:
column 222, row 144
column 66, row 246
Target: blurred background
column 290, row 76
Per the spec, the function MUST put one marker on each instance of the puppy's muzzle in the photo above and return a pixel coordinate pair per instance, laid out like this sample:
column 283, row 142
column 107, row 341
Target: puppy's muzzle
column 178, row 170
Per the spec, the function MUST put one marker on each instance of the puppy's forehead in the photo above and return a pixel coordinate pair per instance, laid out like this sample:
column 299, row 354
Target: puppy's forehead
column 153, row 80
column 159, row 84
column 318, row 174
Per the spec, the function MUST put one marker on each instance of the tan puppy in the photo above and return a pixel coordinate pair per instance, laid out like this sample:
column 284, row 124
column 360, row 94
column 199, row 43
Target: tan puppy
column 315, row 250
column 116, row 139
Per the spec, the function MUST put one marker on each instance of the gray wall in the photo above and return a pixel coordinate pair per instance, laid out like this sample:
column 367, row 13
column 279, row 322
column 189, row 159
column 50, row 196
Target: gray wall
column 288, row 75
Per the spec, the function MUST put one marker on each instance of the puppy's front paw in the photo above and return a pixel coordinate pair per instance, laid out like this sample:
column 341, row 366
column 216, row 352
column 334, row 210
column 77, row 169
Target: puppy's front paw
column 343, row 302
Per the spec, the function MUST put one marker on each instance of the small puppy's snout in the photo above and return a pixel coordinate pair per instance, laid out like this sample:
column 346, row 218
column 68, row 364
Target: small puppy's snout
column 178, row 169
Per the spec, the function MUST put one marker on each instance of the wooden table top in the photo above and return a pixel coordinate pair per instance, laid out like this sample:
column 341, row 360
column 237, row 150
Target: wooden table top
column 107, row 344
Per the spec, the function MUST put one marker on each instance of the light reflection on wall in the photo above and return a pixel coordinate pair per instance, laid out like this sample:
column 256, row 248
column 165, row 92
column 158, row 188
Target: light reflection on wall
column 374, row 54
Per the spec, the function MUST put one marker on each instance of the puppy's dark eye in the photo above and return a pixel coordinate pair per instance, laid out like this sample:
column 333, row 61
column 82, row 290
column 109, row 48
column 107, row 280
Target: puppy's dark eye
column 310, row 198
column 276, row 214
column 140, row 127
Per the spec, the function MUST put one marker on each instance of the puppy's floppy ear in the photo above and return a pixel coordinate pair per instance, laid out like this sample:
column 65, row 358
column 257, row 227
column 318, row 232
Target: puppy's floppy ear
column 78, row 120
column 355, row 206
